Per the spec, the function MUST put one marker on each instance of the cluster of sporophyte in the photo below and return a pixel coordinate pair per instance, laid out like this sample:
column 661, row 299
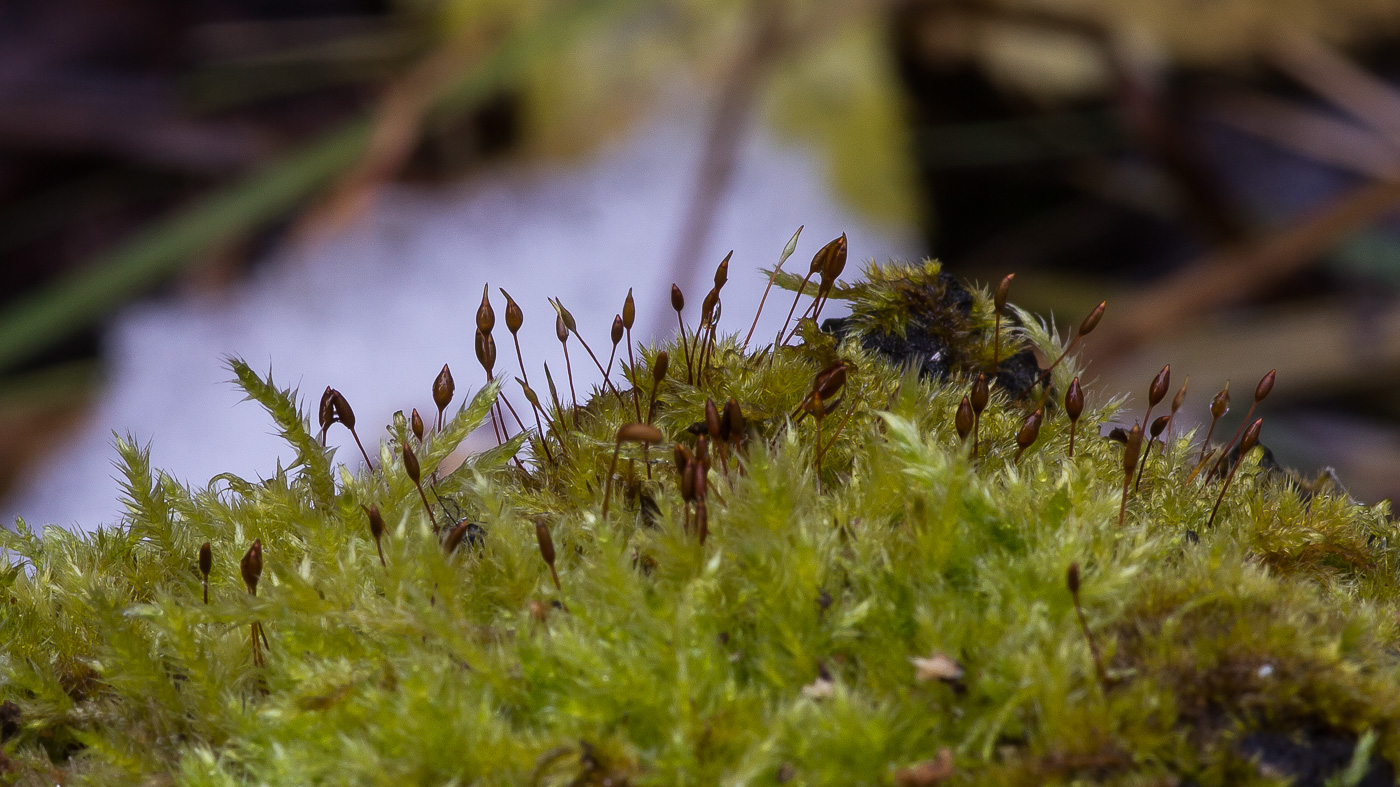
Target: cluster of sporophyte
column 894, row 549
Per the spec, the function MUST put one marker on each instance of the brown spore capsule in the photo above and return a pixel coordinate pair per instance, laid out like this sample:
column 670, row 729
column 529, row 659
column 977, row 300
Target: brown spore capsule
column 376, row 529
column 1074, row 407
column 568, row 318
column 206, row 564
column 444, row 387
column 1159, row 425
column 1003, row 289
column 639, row 433
column 1266, row 384
column 1220, row 405
column 1251, row 437
column 963, row 419
column 410, row 463
column 1158, row 390
column 1092, row 321
column 629, row 311
column 1072, row 579
column 712, row 420
column 616, row 331
column 514, row 316
column 546, row 542
column 980, row 394
column 1030, row 430
column 834, row 262
column 677, row 298
column 734, row 418
column 251, row 566
column 485, row 315
column 415, row 422
column 1074, row 400
column 722, row 272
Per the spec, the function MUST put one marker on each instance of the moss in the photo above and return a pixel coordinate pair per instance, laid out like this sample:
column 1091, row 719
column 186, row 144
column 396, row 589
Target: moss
column 780, row 649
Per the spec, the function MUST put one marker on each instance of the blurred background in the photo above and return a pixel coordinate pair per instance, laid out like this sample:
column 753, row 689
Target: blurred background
column 323, row 187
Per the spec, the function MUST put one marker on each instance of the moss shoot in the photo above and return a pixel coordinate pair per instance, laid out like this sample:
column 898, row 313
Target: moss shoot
column 808, row 579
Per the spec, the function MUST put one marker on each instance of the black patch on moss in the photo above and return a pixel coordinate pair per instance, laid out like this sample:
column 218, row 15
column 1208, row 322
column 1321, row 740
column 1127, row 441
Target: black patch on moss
column 937, row 318
column 919, row 347
column 1311, row 757
column 1018, row 373
column 9, row 720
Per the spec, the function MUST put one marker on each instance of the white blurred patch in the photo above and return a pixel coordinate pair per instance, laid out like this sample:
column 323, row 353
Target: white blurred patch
column 376, row 310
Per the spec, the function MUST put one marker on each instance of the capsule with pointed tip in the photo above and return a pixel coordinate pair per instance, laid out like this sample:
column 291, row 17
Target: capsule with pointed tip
column 617, row 329
column 1158, row 390
column 1074, row 400
column 629, row 311
column 1180, row 397
column 1092, row 321
column 1030, row 430
column 444, row 386
column 410, row 464
column 722, row 272
column 980, row 394
column 1159, row 425
column 963, row 420
column 1220, row 405
column 1266, row 384
column 734, row 418
column 830, row 259
column 415, row 422
column 563, row 313
column 376, row 521
column 546, row 542
column 251, row 566
column 1003, row 289
column 1251, row 437
column 1074, row 407
column 485, row 315
column 677, row 299
column 561, row 331
column 712, row 419
column 659, row 367
column 376, row 529
column 514, row 316
column 1132, row 451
